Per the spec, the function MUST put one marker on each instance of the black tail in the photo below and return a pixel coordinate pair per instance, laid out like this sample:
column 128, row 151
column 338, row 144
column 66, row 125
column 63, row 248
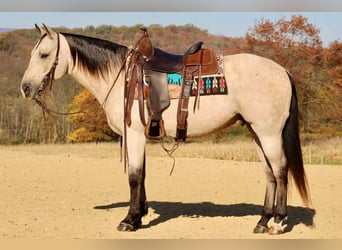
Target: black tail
column 293, row 149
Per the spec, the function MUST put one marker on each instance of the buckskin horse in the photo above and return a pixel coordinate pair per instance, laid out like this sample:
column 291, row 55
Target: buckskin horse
column 261, row 93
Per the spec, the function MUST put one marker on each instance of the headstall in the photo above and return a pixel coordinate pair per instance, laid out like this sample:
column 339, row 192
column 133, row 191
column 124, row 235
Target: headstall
column 49, row 77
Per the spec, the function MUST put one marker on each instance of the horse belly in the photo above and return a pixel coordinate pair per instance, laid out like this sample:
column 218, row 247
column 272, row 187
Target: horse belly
column 214, row 113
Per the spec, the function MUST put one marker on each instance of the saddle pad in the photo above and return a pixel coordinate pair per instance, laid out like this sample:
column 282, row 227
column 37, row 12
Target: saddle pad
column 209, row 85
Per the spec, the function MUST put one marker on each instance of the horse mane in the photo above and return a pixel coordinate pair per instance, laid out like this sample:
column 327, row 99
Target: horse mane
column 95, row 55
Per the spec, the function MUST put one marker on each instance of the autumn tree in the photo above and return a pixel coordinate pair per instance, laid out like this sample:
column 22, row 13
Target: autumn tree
column 89, row 120
column 333, row 62
column 296, row 45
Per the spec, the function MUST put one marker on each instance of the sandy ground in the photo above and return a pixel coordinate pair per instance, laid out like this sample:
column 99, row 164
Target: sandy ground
column 50, row 192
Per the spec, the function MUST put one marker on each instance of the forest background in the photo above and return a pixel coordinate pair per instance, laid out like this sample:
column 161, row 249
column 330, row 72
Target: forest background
column 294, row 43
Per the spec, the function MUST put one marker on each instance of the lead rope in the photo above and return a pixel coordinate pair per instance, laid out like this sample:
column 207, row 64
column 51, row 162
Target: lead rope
column 170, row 153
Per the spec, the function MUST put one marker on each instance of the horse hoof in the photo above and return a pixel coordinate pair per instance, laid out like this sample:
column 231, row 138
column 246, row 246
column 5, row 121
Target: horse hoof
column 124, row 227
column 275, row 230
column 260, row 229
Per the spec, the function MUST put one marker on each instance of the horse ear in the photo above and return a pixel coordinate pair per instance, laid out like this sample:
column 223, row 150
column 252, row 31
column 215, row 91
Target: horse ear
column 39, row 29
column 48, row 30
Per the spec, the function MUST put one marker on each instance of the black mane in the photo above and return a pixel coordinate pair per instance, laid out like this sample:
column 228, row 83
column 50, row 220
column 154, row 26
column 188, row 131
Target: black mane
column 93, row 54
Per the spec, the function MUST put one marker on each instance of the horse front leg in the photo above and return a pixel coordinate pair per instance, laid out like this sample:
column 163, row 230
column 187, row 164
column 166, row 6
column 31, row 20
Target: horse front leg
column 136, row 177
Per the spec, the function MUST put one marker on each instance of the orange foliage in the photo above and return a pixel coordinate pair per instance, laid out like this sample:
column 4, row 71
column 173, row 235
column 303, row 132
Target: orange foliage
column 89, row 119
column 333, row 60
column 296, row 45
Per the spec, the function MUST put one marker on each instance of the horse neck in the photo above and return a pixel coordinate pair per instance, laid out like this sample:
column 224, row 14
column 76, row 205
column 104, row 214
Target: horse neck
column 99, row 86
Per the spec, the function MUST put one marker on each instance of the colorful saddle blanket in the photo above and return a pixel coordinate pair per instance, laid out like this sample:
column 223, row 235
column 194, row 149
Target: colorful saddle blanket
column 208, row 85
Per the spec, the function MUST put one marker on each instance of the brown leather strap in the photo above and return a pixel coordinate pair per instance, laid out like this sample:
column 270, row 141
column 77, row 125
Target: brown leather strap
column 130, row 87
column 199, row 72
column 141, row 97
column 134, row 82
column 183, row 104
column 50, row 76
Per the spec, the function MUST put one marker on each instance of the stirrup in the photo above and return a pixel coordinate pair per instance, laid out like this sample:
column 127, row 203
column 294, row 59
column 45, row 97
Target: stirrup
column 154, row 129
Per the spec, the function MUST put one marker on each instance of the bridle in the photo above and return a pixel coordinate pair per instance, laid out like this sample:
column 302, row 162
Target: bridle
column 49, row 77
column 41, row 92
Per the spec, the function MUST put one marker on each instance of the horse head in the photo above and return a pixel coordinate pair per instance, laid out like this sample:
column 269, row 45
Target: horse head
column 46, row 64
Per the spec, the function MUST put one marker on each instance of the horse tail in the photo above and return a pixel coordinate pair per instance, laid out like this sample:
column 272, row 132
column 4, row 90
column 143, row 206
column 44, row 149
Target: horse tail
column 293, row 151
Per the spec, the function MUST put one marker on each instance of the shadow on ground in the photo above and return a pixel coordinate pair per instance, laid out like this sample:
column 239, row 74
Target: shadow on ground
column 171, row 210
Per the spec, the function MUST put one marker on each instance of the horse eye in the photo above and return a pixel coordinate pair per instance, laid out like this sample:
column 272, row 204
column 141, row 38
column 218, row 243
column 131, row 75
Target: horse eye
column 42, row 56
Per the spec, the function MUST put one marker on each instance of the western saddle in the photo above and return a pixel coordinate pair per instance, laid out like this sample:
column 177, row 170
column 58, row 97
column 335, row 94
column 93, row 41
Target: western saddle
column 147, row 74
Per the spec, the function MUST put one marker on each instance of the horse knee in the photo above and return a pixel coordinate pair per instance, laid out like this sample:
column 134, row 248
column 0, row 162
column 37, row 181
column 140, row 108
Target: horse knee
column 133, row 180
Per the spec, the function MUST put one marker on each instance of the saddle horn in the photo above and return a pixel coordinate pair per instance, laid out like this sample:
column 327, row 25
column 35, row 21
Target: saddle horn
column 145, row 44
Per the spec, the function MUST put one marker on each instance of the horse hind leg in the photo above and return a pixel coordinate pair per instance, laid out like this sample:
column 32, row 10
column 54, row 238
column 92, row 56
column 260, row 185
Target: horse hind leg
column 267, row 213
column 271, row 152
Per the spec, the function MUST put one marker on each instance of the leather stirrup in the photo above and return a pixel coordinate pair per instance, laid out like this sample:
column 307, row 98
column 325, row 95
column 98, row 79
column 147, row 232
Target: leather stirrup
column 154, row 129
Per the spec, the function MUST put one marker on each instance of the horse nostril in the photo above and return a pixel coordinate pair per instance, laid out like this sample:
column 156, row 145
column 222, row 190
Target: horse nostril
column 26, row 89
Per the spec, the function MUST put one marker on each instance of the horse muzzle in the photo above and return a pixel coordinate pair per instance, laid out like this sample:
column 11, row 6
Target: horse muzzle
column 29, row 91
column 26, row 89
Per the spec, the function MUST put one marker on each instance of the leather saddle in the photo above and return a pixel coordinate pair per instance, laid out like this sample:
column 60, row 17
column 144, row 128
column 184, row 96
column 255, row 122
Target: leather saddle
column 165, row 62
column 195, row 61
column 195, row 58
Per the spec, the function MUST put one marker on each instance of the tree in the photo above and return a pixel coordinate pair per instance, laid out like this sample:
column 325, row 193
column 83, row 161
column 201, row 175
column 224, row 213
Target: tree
column 89, row 119
column 296, row 45
column 333, row 62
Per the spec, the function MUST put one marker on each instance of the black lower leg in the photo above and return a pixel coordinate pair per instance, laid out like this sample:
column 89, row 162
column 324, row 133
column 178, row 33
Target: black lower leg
column 268, row 210
column 262, row 227
column 138, row 206
column 281, row 208
column 143, row 203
